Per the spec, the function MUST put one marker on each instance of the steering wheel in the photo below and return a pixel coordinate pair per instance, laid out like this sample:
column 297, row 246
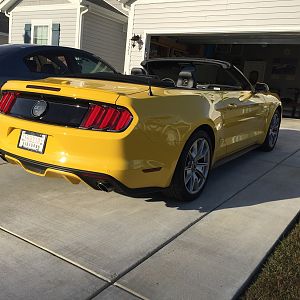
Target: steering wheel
column 169, row 79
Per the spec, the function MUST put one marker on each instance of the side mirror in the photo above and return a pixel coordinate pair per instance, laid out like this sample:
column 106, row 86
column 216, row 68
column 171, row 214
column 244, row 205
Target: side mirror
column 261, row 88
column 138, row 72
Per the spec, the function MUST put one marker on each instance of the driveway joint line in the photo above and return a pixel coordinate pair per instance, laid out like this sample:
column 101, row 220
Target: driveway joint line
column 69, row 261
column 186, row 228
column 130, row 291
column 54, row 254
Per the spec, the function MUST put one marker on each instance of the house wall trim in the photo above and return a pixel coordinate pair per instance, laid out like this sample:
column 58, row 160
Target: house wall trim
column 128, row 41
column 45, row 7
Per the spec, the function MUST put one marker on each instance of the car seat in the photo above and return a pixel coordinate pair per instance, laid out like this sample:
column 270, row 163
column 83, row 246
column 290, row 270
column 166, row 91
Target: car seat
column 31, row 65
column 48, row 69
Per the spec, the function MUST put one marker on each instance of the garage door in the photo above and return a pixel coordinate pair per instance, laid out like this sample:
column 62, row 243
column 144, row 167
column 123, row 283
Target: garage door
column 273, row 59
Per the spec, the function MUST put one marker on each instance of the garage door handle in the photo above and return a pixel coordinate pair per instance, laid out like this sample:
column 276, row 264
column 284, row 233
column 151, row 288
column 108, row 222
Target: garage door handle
column 232, row 105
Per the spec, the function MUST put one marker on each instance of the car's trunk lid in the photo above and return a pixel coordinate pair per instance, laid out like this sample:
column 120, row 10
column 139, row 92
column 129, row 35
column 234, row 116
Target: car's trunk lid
column 66, row 101
column 76, row 88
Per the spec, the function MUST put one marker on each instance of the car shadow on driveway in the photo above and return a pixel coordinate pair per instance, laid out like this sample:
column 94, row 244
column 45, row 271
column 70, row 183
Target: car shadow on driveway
column 259, row 176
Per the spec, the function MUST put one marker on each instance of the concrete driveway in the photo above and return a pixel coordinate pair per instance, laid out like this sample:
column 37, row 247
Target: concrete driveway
column 60, row 241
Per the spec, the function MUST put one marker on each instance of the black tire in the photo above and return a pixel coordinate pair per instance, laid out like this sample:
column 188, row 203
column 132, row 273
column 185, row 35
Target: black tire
column 178, row 189
column 271, row 139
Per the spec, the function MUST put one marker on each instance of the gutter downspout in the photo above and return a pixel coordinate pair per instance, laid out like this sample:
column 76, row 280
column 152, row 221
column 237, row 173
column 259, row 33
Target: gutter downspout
column 83, row 12
column 8, row 15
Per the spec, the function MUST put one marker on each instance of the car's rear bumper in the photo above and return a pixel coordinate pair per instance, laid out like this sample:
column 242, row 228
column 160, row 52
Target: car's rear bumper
column 129, row 158
column 97, row 181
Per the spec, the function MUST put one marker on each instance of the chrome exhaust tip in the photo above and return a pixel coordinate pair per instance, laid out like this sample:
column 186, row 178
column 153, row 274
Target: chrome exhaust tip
column 105, row 187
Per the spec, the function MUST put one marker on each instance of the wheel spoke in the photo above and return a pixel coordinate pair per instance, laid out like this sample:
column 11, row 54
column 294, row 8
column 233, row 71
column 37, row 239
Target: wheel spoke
column 188, row 176
column 204, row 150
column 200, row 174
column 195, row 182
column 191, row 183
column 202, row 165
column 194, row 150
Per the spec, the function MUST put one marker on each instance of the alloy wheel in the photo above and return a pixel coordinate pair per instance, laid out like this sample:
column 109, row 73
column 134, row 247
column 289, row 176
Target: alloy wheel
column 274, row 130
column 197, row 166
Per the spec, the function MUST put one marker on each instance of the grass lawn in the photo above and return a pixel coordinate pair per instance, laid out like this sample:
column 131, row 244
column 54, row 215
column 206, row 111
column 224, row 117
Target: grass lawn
column 280, row 276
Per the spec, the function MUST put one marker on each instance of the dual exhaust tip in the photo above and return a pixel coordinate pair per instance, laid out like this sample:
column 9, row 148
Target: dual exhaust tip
column 105, row 187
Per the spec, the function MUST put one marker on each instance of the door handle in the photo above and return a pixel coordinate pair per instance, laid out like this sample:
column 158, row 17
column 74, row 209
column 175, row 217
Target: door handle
column 232, row 106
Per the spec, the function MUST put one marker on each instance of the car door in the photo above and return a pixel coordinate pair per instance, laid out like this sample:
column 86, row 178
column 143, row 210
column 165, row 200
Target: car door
column 242, row 111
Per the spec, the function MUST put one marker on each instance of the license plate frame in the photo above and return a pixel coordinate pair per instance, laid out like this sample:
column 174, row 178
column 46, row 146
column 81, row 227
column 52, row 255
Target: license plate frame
column 37, row 144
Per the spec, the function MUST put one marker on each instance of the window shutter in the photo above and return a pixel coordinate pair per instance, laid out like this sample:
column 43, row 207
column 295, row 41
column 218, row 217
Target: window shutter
column 27, row 34
column 55, row 34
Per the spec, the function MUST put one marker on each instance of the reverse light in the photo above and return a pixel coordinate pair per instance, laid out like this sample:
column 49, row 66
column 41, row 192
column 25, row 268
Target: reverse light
column 107, row 118
column 7, row 101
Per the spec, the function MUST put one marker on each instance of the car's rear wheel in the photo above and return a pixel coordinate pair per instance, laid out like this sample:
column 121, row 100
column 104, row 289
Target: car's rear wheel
column 273, row 132
column 193, row 168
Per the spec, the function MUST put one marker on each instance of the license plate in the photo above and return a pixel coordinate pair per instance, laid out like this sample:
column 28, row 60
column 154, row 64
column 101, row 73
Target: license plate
column 32, row 141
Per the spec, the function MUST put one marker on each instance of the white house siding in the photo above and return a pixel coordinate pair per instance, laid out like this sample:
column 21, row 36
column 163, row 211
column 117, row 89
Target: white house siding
column 209, row 16
column 104, row 37
column 41, row 2
column 65, row 17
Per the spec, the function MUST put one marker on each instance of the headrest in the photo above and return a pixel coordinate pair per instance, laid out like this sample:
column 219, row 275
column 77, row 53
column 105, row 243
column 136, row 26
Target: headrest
column 138, row 72
column 186, row 77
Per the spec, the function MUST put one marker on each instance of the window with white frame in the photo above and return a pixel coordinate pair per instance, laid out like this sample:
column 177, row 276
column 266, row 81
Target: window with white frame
column 40, row 35
column 41, row 32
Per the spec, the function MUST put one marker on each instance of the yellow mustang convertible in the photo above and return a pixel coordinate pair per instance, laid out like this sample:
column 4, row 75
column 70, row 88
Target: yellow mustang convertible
column 163, row 127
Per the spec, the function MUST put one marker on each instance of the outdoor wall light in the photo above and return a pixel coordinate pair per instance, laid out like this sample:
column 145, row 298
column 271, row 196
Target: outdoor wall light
column 136, row 39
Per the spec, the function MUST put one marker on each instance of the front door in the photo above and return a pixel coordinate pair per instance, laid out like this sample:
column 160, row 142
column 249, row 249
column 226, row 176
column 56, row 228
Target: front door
column 243, row 119
column 242, row 111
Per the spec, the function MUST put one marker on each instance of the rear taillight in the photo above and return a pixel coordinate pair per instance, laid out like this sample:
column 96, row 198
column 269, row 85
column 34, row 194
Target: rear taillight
column 107, row 118
column 7, row 101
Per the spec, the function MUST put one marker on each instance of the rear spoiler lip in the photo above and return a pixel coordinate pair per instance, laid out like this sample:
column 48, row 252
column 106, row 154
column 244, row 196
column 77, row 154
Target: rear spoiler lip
column 40, row 87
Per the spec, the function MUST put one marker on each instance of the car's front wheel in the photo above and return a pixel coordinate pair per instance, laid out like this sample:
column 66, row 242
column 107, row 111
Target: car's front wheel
column 273, row 132
column 193, row 168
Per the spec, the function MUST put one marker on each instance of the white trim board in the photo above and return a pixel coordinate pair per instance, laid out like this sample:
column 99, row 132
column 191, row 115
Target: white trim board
column 128, row 49
column 241, row 30
column 45, row 7
column 10, row 27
